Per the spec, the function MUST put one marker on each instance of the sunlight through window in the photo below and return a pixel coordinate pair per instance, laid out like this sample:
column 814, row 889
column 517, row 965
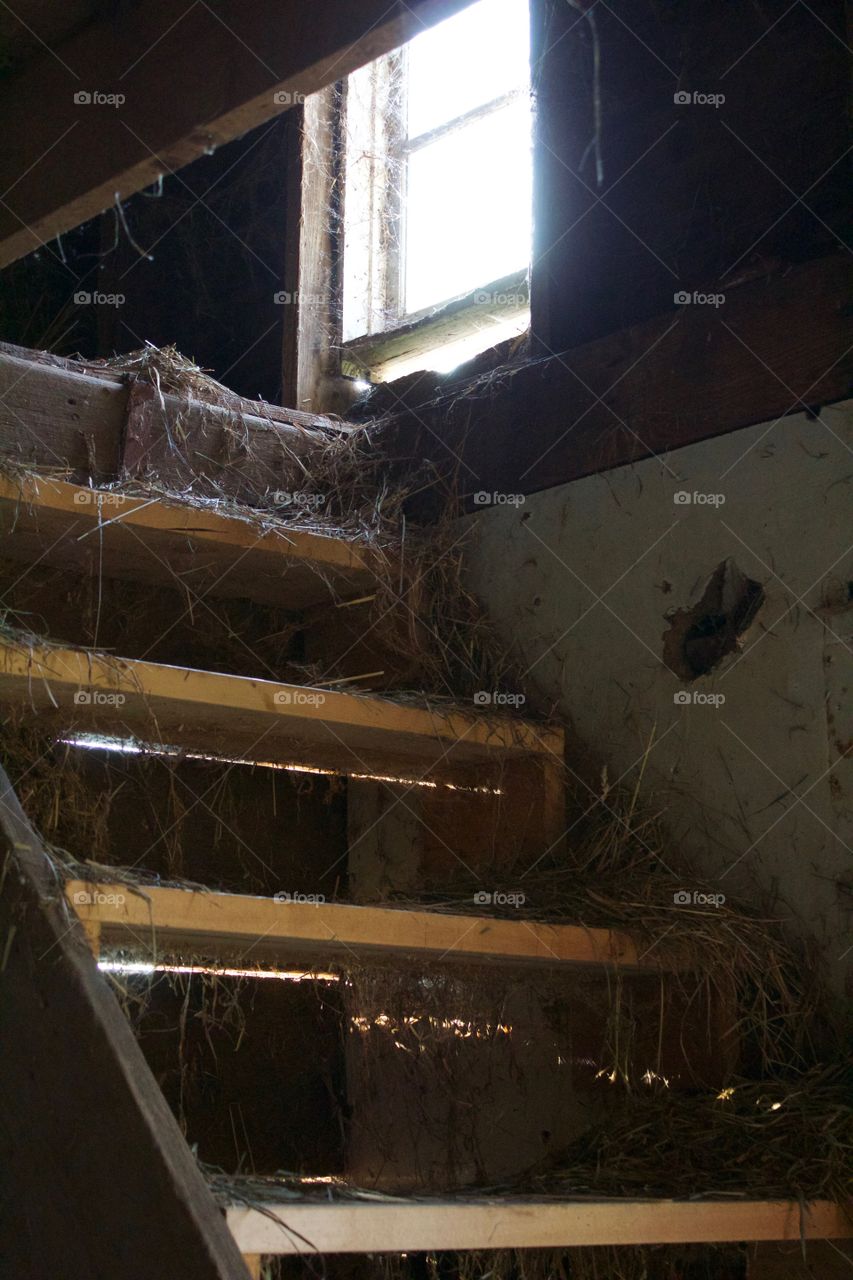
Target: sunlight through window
column 438, row 185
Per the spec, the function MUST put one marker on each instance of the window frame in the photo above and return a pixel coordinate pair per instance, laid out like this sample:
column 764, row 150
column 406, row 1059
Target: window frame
column 394, row 337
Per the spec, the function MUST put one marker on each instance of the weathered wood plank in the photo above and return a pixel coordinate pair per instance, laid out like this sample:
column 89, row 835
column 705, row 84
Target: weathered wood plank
column 97, row 427
column 53, row 416
column 776, row 346
column 364, row 1227
column 96, row 1178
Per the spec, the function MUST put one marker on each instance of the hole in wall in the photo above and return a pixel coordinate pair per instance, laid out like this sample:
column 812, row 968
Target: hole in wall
column 700, row 637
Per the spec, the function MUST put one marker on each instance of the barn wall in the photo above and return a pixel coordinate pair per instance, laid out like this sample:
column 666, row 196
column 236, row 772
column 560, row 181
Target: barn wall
column 586, row 578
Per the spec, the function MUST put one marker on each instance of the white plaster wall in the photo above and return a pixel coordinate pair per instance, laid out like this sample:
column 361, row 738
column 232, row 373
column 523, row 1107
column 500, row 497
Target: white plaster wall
column 581, row 578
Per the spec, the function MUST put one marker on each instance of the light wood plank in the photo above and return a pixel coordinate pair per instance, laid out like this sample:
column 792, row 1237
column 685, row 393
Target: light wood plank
column 259, row 929
column 260, row 720
column 157, row 541
column 365, row 1227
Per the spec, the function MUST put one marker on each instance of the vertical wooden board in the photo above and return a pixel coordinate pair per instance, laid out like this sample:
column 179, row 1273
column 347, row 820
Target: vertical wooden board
column 384, row 835
column 403, row 839
column 96, row 1179
column 458, row 1091
column 318, row 380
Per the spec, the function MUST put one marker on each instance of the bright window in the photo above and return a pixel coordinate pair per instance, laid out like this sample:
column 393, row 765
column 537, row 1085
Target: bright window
column 437, row 192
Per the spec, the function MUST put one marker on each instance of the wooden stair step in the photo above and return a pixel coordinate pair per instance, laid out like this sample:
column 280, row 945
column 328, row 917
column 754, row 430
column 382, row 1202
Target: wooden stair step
column 165, row 542
column 152, row 920
column 397, row 1226
column 261, row 720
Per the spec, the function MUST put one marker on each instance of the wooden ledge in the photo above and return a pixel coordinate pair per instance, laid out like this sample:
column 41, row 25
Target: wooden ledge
column 398, row 1226
column 262, row 721
column 156, row 921
column 162, row 541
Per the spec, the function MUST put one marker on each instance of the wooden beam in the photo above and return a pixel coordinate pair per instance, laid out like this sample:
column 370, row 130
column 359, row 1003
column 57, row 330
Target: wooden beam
column 55, row 416
column 157, row 920
column 778, row 345
column 363, row 1227
column 161, row 541
column 221, row 70
column 57, row 413
column 259, row 720
column 86, row 1137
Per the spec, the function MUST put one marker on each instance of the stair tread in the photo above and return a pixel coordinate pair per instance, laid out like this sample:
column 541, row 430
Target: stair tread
column 400, row 1225
column 200, row 919
column 261, row 721
column 164, row 541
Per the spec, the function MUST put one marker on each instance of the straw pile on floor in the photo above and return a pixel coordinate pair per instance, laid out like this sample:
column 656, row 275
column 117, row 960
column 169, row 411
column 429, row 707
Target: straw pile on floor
column 787, row 1140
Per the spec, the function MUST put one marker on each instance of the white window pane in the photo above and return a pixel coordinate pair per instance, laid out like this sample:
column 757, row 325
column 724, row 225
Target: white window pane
column 472, row 58
column 468, row 199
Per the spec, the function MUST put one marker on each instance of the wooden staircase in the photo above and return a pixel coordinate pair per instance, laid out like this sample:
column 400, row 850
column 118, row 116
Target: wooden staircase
column 82, row 1051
